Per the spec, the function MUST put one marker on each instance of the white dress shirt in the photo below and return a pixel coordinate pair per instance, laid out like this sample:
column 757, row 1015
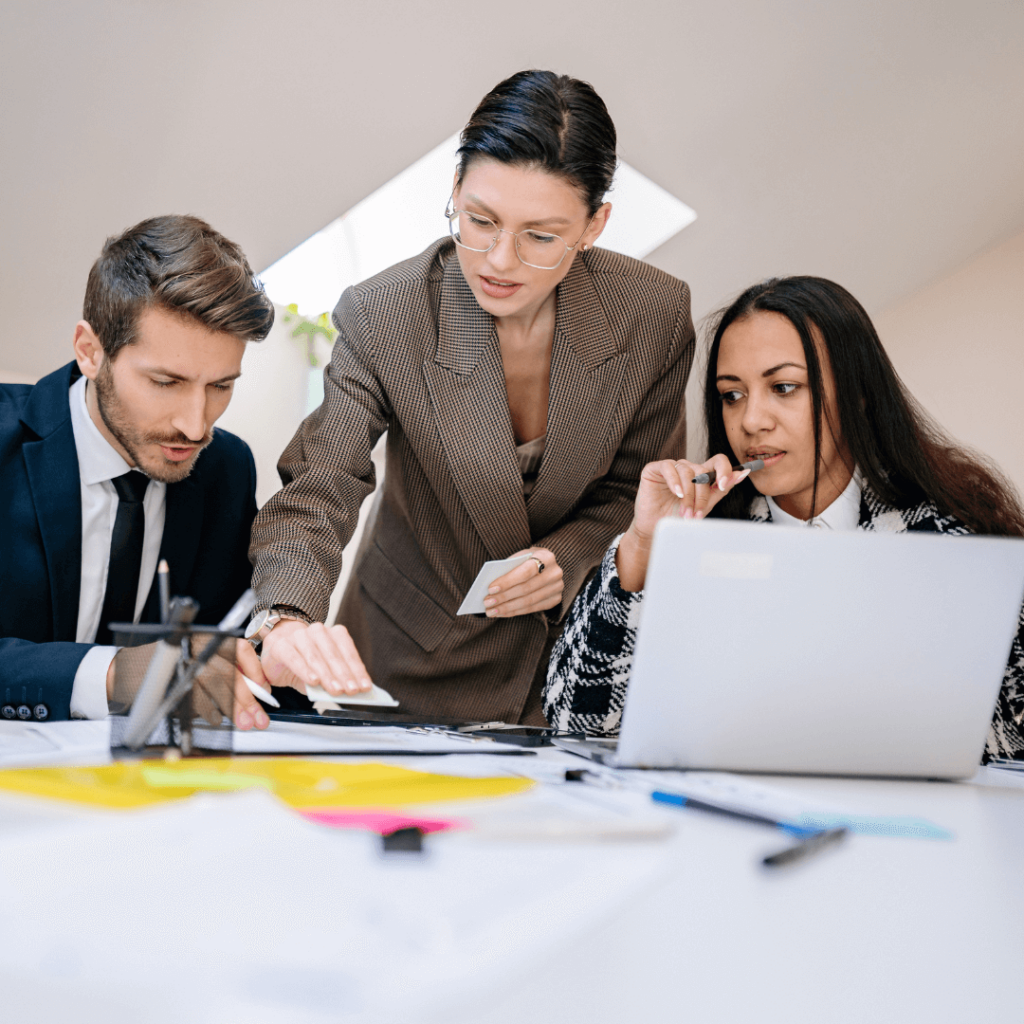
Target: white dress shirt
column 98, row 464
column 842, row 514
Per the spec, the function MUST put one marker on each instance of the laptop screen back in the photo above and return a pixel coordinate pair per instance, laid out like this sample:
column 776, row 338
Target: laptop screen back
column 763, row 648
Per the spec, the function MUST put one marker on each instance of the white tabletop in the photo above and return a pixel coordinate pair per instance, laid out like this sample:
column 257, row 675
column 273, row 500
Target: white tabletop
column 906, row 930
column 248, row 911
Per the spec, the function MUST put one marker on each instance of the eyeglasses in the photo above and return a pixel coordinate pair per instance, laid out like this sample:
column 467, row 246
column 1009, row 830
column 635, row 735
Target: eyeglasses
column 536, row 249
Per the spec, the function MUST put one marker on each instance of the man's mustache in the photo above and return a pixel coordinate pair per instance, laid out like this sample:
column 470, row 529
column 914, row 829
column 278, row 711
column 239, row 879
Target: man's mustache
column 178, row 441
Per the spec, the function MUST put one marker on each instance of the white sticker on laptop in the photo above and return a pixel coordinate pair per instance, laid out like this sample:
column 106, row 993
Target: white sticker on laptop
column 729, row 565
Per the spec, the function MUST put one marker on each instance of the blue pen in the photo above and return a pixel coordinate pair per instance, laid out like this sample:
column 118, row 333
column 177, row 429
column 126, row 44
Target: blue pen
column 677, row 800
column 811, row 840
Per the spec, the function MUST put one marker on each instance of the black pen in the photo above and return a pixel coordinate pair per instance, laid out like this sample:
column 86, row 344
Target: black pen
column 809, row 844
column 709, row 478
column 810, row 840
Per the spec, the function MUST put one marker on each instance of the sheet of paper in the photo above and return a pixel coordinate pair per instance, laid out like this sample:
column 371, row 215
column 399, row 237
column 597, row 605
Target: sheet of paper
column 303, row 738
column 381, row 822
column 299, row 782
column 30, row 744
column 473, row 602
column 376, row 697
column 371, row 939
column 745, row 794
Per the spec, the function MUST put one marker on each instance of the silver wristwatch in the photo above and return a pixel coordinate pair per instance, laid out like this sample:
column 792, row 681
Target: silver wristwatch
column 263, row 622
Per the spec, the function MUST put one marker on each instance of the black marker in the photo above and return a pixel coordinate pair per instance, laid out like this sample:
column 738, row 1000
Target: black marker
column 808, row 845
column 709, row 478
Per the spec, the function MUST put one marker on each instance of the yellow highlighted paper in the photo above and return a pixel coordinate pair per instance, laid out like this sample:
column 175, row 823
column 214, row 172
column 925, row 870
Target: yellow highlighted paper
column 297, row 781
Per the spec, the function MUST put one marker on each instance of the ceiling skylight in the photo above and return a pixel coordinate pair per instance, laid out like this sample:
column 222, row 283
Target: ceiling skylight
column 405, row 215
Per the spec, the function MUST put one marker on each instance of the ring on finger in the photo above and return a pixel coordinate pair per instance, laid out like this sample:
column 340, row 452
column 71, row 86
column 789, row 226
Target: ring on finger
column 540, row 564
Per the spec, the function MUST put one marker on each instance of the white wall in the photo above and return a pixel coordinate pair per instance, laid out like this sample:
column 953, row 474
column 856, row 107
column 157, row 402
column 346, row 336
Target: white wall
column 958, row 344
column 14, row 377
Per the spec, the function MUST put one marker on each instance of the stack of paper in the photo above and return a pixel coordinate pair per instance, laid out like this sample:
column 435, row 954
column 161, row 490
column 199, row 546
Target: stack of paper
column 180, row 907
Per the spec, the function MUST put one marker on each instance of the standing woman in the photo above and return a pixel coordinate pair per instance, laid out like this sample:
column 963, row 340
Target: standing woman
column 524, row 379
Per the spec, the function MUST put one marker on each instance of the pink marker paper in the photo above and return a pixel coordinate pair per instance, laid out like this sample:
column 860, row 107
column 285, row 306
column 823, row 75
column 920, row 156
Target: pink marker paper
column 383, row 822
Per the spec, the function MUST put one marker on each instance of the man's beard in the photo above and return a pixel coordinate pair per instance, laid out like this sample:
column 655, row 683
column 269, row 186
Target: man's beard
column 133, row 441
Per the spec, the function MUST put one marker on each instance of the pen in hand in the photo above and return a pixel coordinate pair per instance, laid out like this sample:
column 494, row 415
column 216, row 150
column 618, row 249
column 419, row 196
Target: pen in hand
column 709, row 478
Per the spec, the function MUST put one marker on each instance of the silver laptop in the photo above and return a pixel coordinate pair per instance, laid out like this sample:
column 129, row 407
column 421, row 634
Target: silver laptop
column 771, row 649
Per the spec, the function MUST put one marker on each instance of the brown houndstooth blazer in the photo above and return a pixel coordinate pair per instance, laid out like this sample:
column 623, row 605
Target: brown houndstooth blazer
column 418, row 357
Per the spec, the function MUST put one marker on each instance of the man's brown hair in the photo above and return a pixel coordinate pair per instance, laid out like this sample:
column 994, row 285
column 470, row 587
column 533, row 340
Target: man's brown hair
column 180, row 264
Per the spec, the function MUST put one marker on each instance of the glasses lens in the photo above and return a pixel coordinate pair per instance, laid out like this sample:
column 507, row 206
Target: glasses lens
column 537, row 249
column 473, row 231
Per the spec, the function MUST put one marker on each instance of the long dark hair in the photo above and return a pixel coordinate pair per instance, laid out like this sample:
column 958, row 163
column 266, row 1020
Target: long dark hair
column 538, row 118
column 904, row 456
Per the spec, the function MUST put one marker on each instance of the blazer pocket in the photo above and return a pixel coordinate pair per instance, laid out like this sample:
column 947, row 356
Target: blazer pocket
column 414, row 612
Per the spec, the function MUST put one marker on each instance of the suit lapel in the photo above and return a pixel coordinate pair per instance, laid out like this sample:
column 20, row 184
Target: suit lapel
column 52, row 468
column 466, row 381
column 586, row 377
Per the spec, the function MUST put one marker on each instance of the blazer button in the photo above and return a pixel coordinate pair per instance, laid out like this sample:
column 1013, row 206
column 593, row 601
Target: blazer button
column 24, row 712
column 41, row 712
column 8, row 711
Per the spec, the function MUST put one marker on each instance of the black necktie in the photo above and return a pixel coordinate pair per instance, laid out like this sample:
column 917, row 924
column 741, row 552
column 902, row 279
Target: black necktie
column 125, row 554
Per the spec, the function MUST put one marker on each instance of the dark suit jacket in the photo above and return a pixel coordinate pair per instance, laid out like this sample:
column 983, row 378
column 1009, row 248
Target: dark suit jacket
column 417, row 355
column 206, row 534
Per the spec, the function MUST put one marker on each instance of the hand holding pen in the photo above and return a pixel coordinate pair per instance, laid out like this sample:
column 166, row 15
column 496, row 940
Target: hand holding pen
column 672, row 487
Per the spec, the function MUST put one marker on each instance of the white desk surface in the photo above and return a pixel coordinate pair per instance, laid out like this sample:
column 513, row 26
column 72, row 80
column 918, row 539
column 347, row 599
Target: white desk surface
column 880, row 929
column 905, row 930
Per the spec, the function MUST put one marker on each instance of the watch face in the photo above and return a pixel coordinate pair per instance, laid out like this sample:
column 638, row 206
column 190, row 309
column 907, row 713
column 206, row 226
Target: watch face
column 257, row 624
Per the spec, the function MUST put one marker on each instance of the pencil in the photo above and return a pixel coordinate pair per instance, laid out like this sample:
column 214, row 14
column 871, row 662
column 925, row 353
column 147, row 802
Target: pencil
column 163, row 579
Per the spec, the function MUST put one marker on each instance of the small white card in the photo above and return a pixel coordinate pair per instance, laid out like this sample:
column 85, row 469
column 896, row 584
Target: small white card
column 473, row 602
column 375, row 697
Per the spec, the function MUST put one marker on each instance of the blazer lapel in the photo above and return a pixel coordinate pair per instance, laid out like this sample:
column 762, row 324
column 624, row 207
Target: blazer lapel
column 586, row 376
column 183, row 526
column 466, row 381
column 52, row 467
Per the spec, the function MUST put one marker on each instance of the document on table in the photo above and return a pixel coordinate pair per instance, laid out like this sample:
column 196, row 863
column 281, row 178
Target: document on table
column 473, row 602
column 364, row 938
column 302, row 738
column 23, row 744
column 744, row 794
column 374, row 697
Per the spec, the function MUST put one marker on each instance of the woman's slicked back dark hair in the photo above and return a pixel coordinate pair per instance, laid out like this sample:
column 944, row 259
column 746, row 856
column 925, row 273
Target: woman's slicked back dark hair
column 540, row 119
column 904, row 456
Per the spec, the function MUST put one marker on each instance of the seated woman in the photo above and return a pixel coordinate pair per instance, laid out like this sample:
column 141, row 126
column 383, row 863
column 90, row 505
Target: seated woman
column 798, row 379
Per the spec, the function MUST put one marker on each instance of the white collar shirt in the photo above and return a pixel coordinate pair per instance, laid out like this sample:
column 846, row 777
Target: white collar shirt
column 98, row 464
column 842, row 514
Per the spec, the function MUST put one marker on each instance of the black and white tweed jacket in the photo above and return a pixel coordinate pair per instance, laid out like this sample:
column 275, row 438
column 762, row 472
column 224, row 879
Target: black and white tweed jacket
column 589, row 668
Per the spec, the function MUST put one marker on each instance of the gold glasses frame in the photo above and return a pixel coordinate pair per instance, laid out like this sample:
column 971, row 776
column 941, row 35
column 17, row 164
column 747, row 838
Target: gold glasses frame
column 452, row 214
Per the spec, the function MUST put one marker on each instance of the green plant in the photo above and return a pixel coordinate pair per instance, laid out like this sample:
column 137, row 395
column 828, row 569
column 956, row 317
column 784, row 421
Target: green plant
column 308, row 329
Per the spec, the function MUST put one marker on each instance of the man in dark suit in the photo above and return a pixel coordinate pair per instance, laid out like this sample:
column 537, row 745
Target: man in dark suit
column 111, row 464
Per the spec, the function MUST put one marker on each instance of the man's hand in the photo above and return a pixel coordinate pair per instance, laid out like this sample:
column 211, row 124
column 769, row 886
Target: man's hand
column 219, row 687
column 534, row 586
column 667, row 489
column 299, row 655
column 248, row 710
